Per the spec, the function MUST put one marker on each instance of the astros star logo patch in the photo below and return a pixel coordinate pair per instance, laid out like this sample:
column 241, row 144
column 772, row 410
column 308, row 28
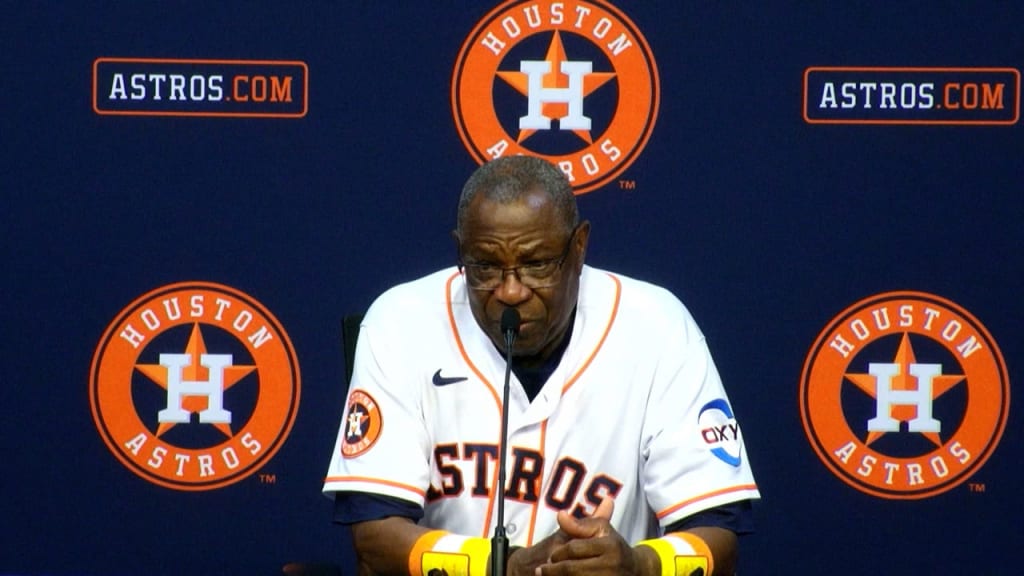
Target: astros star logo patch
column 363, row 424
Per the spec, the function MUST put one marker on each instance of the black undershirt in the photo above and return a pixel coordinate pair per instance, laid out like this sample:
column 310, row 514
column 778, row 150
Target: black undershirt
column 533, row 379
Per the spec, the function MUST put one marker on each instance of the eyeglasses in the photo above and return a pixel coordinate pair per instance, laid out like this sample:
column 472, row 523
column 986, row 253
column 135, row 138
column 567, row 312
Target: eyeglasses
column 536, row 274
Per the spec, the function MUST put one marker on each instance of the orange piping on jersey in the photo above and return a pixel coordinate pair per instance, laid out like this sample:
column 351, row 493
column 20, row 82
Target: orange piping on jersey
column 685, row 503
column 568, row 384
column 494, row 394
column 462, row 349
column 540, row 488
column 565, row 387
column 611, row 320
column 376, row 481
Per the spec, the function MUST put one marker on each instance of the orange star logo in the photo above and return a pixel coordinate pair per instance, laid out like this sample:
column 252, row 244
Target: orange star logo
column 194, row 372
column 904, row 380
column 555, row 79
column 355, row 423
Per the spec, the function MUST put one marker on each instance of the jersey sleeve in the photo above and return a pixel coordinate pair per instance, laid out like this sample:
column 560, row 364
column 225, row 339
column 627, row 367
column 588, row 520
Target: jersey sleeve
column 355, row 507
column 737, row 517
column 693, row 456
column 382, row 445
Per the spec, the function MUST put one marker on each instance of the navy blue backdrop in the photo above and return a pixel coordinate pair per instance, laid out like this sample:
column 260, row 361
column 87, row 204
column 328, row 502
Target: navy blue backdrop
column 767, row 226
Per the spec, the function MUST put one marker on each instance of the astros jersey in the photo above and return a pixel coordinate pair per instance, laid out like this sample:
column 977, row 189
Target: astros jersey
column 635, row 410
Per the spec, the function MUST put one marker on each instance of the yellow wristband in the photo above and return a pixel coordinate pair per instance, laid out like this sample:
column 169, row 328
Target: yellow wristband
column 439, row 552
column 682, row 554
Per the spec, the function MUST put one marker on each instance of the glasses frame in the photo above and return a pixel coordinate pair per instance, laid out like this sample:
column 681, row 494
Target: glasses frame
column 517, row 270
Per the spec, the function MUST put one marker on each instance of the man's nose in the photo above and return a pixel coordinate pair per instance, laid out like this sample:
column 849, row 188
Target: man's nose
column 512, row 291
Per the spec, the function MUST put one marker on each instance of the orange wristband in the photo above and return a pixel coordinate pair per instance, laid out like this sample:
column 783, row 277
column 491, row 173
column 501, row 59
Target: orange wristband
column 681, row 553
column 449, row 554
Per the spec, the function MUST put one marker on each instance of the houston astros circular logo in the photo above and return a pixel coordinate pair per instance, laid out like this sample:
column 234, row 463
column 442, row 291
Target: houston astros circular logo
column 362, row 424
column 574, row 82
column 194, row 386
column 904, row 395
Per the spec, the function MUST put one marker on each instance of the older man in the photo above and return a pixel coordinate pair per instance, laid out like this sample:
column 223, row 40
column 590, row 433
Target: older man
column 624, row 455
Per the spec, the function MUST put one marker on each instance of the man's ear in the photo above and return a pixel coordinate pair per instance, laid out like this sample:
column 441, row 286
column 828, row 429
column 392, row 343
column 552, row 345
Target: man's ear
column 457, row 240
column 582, row 238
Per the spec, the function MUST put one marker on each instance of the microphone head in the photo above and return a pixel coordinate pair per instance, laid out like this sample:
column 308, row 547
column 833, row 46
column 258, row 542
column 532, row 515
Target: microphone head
column 510, row 322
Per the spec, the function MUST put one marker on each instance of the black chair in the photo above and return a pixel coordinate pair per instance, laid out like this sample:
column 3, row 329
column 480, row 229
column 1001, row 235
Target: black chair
column 349, row 335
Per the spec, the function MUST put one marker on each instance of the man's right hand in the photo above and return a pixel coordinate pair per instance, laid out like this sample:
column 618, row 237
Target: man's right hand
column 525, row 561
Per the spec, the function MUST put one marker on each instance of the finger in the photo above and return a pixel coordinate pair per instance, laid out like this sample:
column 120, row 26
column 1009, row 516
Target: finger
column 575, row 550
column 581, row 527
column 579, row 556
column 526, row 560
column 594, row 527
column 605, row 509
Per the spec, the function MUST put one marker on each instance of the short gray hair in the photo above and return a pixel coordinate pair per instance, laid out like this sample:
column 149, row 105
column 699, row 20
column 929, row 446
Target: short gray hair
column 508, row 178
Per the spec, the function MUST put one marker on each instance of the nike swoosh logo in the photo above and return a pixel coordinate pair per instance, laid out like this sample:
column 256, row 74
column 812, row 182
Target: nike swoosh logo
column 439, row 380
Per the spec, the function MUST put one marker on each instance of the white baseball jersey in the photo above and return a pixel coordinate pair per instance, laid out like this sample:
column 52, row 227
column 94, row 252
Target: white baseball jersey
column 635, row 410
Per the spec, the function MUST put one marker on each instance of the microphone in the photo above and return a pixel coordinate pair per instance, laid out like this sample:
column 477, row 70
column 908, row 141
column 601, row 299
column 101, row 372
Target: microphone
column 510, row 326
column 499, row 543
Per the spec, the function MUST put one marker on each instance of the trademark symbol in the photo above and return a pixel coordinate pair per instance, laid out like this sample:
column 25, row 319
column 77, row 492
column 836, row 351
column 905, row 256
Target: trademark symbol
column 627, row 184
column 976, row 488
column 268, row 478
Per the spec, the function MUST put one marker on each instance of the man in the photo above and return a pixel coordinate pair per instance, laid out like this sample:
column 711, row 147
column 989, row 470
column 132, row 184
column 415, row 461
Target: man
column 624, row 457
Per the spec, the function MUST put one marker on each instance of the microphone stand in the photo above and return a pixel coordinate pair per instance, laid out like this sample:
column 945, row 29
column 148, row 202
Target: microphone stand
column 499, row 543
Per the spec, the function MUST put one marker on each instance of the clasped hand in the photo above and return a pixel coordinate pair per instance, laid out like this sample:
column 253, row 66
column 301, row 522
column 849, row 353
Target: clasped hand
column 580, row 546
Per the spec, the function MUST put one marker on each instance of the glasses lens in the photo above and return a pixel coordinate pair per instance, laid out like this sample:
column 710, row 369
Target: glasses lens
column 541, row 275
column 538, row 275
